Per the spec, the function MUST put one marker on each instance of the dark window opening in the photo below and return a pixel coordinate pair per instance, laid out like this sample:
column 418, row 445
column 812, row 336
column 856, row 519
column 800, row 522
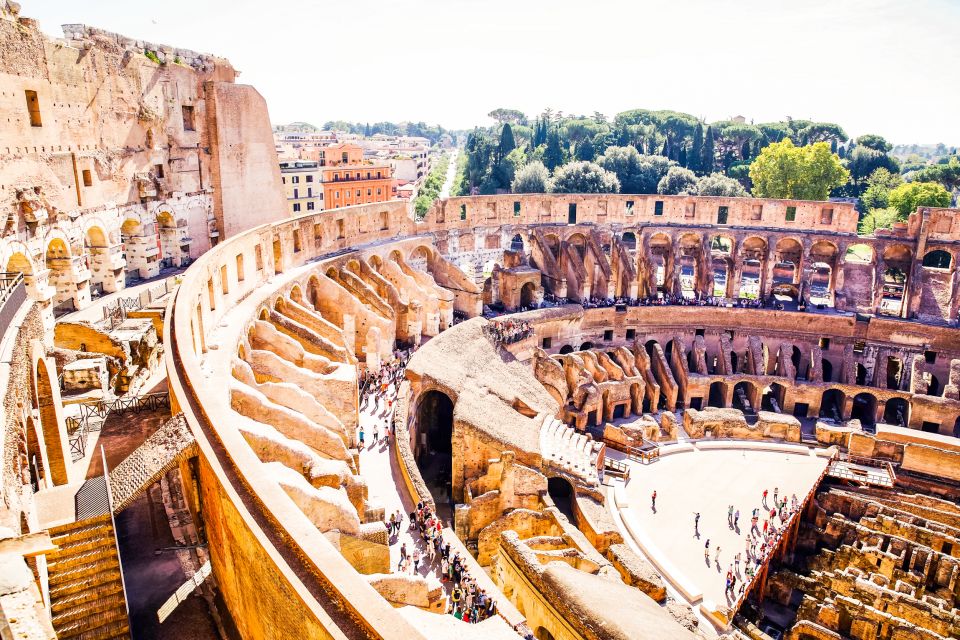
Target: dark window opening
column 572, row 213
column 33, row 107
column 188, row 124
column 658, row 208
column 631, row 334
column 608, row 335
column 791, row 214
column 930, row 357
column 722, row 213
column 547, row 343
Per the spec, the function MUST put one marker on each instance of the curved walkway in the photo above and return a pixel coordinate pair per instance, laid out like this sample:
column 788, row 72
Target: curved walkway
column 379, row 466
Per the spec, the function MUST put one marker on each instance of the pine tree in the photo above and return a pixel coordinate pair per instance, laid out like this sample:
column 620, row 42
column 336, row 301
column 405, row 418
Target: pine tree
column 745, row 150
column 682, row 157
column 707, row 155
column 842, row 151
column 696, row 149
column 665, row 151
column 833, row 145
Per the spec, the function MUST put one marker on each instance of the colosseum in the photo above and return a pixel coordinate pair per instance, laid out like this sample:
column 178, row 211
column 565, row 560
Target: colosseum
column 549, row 400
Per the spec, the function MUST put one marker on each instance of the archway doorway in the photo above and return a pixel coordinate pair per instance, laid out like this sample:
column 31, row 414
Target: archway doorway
column 716, row 396
column 864, row 409
column 434, row 448
column 561, row 492
column 831, row 404
column 773, row 398
column 896, row 412
column 528, row 295
column 741, row 397
column 586, row 345
column 566, row 349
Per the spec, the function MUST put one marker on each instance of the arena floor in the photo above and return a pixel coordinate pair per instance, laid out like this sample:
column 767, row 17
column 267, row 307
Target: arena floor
column 705, row 481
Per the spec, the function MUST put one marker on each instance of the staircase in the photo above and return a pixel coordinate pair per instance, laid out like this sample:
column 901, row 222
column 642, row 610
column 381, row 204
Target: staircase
column 564, row 448
column 86, row 591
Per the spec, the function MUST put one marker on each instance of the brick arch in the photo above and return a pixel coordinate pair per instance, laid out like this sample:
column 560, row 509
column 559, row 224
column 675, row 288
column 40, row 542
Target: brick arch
column 47, row 403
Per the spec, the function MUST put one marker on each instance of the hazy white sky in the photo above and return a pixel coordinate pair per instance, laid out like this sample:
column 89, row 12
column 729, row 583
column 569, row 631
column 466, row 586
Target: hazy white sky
column 890, row 67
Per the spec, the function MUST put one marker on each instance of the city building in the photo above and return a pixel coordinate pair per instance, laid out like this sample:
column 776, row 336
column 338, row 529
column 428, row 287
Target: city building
column 303, row 185
column 349, row 180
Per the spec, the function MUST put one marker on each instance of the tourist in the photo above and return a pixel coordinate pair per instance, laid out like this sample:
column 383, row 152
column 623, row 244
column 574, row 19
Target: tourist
column 706, row 551
column 416, row 560
column 361, row 437
column 696, row 524
column 716, row 555
column 730, row 516
column 764, row 503
column 653, row 501
column 776, row 490
column 736, row 520
column 736, row 563
column 403, row 556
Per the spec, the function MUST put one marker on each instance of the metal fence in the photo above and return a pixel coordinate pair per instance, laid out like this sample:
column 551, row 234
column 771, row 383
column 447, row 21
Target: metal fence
column 94, row 413
column 13, row 293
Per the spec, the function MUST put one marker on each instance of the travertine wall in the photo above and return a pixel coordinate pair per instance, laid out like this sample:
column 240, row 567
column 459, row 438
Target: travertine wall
column 113, row 165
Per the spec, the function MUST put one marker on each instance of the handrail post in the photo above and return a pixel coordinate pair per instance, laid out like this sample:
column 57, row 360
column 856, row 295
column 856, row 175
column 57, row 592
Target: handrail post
column 116, row 539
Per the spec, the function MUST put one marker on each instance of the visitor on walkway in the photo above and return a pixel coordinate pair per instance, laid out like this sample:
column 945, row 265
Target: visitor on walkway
column 653, row 501
column 706, row 550
column 696, row 524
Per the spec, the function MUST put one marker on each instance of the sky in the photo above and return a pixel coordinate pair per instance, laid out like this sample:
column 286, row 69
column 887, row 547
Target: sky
column 872, row 66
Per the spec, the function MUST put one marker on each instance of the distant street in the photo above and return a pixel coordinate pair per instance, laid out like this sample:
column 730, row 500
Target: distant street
column 451, row 174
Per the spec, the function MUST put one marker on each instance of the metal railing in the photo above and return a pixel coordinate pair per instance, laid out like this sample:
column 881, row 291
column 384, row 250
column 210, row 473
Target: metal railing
column 95, row 412
column 13, row 293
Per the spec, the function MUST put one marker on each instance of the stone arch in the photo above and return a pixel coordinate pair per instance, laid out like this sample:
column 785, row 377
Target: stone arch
column 586, row 346
column 420, row 257
column 296, row 294
column 861, row 374
column 717, row 395
column 553, row 243
column 788, row 254
column 743, row 392
column 773, row 397
column 528, row 295
column 937, row 259
column 865, row 408
column 824, row 257
column 897, row 260
column 59, row 260
column 659, row 256
column 579, row 242
column 434, row 450
column 566, row 349
column 831, row 404
column 517, row 244
column 859, row 253
column 19, row 262
column 896, row 411
column 827, row 368
column 375, row 262
column 562, row 493
column 313, row 291
column 629, row 240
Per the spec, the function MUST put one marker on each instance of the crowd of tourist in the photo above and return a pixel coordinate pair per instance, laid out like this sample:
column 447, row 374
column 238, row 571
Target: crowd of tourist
column 508, row 331
column 429, row 551
column 594, row 302
column 761, row 540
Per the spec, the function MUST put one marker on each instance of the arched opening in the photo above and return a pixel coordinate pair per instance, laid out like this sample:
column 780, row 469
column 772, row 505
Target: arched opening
column 937, row 259
column 956, row 428
column 542, row 634
column 897, row 259
column 434, row 449
column 754, row 252
column 688, row 277
column 859, row 254
column 894, row 372
column 630, row 241
column 827, row 371
column 773, row 396
column 649, row 347
column 795, row 359
column 741, row 397
column 561, row 492
column 566, row 349
column 419, row 258
column 820, row 287
column 933, row 384
column 553, row 244
column 861, row 374
column 734, row 361
column 375, row 262
column 516, row 244
column 586, row 345
column 578, row 242
column 19, row 263
column 831, row 404
column 896, row 412
column 169, row 240
column 721, row 270
column 528, row 295
column 864, row 409
column 717, row 393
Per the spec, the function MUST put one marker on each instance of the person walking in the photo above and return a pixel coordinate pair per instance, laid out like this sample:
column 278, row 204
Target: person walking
column 716, row 555
column 696, row 524
column 361, row 437
column 776, row 490
column 706, row 550
column 730, row 516
column 403, row 556
column 653, row 500
column 764, row 499
column 416, row 560
column 736, row 520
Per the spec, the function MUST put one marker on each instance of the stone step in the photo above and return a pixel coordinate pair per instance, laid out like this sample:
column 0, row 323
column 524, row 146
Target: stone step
column 88, row 534
column 89, row 610
column 92, row 592
column 106, row 625
column 82, row 546
column 84, row 570
column 75, row 530
column 58, row 564
column 83, row 582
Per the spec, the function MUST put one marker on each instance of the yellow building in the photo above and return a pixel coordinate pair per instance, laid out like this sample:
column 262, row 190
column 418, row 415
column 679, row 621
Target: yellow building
column 302, row 186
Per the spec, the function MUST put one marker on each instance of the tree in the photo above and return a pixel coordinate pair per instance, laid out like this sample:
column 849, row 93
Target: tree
column 947, row 174
column 585, row 151
column 907, row 197
column 822, row 132
column 875, row 142
column 584, row 177
column 717, row 184
column 678, row 181
column 708, row 155
column 863, row 161
column 882, row 218
column 637, row 173
column 877, row 193
column 783, row 170
column 694, row 158
column 532, row 178
column 505, row 116
column 554, row 156
column 507, row 143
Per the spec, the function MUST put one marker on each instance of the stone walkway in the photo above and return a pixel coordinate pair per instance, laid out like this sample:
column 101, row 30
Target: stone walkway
column 379, row 466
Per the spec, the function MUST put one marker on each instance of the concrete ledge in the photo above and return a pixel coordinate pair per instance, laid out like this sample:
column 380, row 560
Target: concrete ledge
column 677, row 579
